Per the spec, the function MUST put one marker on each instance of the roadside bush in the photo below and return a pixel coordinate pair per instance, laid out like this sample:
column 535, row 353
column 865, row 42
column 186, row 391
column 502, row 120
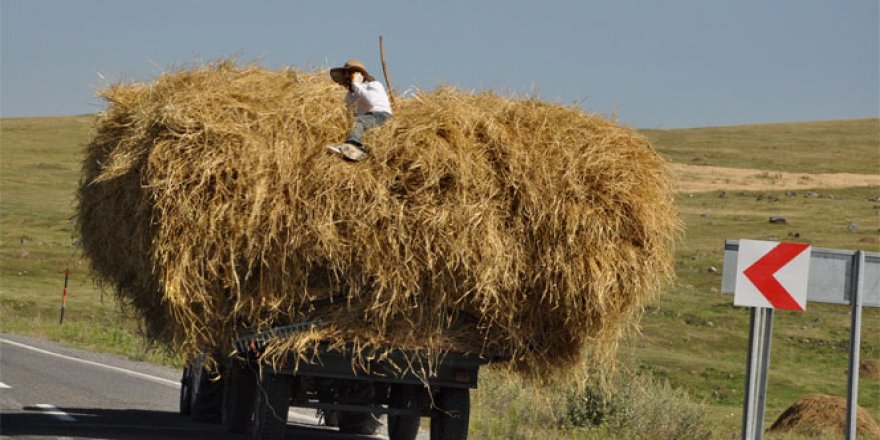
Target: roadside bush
column 589, row 408
column 637, row 407
column 506, row 406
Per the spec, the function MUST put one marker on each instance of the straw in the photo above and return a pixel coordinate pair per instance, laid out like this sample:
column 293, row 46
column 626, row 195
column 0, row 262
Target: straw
column 524, row 231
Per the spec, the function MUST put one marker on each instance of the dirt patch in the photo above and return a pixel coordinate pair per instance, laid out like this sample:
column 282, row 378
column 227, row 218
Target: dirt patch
column 701, row 178
column 870, row 369
column 823, row 415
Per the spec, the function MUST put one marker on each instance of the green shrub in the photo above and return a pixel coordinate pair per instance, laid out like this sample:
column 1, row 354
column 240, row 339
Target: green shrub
column 589, row 408
column 638, row 407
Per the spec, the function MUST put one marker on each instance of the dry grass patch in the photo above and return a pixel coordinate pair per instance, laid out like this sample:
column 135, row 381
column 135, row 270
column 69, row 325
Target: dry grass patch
column 869, row 369
column 700, row 178
column 819, row 414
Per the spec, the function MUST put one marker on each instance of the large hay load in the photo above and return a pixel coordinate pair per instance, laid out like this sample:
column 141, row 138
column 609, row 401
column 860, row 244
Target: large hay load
column 517, row 229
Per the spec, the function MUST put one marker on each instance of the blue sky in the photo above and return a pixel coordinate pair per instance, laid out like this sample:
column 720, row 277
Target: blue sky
column 653, row 64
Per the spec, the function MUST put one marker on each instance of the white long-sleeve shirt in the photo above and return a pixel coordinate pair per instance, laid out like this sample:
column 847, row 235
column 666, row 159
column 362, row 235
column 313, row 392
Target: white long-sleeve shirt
column 368, row 96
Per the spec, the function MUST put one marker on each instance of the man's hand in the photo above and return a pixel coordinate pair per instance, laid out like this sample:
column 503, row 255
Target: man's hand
column 357, row 78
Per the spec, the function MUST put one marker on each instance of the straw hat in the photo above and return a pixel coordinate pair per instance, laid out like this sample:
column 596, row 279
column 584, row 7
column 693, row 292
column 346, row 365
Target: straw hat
column 341, row 74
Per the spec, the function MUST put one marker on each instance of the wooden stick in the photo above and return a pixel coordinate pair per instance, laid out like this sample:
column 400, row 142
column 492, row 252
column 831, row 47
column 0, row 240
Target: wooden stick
column 64, row 294
column 391, row 93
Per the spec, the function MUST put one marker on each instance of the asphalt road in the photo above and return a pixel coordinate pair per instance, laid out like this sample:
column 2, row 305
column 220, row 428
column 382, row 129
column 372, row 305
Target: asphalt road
column 48, row 391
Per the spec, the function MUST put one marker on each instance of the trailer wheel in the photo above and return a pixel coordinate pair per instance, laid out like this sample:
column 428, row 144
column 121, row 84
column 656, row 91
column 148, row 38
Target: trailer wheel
column 239, row 396
column 358, row 423
column 207, row 394
column 449, row 421
column 186, row 391
column 403, row 427
column 272, row 400
column 331, row 418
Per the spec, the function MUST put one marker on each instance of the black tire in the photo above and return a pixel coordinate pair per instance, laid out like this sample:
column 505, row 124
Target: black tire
column 449, row 421
column 331, row 418
column 207, row 394
column 358, row 423
column 404, row 427
column 239, row 396
column 272, row 400
column 186, row 391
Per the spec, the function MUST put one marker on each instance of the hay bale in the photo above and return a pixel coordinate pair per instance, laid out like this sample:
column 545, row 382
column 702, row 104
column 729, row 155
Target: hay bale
column 517, row 229
column 820, row 414
column 869, row 369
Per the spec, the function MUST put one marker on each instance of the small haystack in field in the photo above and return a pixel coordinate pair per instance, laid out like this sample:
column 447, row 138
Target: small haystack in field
column 819, row 414
column 517, row 229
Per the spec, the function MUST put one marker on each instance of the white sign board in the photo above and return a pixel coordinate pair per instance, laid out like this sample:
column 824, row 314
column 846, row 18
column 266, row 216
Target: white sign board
column 772, row 275
column 831, row 271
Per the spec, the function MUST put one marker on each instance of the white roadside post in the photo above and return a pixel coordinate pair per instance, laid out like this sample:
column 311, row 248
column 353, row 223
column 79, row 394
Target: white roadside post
column 834, row 276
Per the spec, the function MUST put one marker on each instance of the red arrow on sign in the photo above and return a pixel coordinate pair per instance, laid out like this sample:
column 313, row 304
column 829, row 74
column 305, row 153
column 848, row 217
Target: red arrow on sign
column 761, row 275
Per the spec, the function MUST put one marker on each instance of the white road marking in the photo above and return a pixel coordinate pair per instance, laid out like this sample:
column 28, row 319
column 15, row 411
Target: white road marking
column 3, row 385
column 292, row 413
column 151, row 378
column 55, row 412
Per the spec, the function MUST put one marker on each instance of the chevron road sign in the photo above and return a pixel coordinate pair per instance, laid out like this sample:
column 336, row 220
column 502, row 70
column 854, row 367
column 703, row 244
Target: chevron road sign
column 766, row 276
column 772, row 274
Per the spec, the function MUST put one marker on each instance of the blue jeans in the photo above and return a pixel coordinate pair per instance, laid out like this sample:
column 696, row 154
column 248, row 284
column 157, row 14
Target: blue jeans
column 362, row 123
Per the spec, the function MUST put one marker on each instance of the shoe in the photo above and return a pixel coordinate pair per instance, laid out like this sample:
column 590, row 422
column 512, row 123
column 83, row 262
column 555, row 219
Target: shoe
column 349, row 152
column 352, row 152
column 335, row 148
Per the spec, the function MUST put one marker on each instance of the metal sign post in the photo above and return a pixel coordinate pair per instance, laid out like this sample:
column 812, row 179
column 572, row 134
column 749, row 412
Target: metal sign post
column 836, row 277
column 855, row 337
column 757, row 366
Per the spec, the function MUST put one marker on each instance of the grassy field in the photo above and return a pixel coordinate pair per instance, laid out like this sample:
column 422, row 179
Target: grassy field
column 697, row 339
column 848, row 146
column 39, row 171
column 693, row 343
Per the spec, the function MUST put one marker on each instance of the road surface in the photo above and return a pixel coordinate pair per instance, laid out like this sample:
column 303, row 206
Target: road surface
column 48, row 391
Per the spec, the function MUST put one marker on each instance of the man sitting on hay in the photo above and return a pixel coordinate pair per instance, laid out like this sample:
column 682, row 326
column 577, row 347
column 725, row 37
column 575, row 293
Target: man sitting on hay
column 369, row 101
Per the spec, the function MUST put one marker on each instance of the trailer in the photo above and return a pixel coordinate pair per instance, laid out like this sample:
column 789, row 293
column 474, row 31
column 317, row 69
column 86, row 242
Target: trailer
column 249, row 397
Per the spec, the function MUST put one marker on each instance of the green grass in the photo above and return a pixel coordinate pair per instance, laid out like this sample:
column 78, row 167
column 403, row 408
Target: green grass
column 849, row 146
column 39, row 171
column 697, row 339
column 692, row 338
